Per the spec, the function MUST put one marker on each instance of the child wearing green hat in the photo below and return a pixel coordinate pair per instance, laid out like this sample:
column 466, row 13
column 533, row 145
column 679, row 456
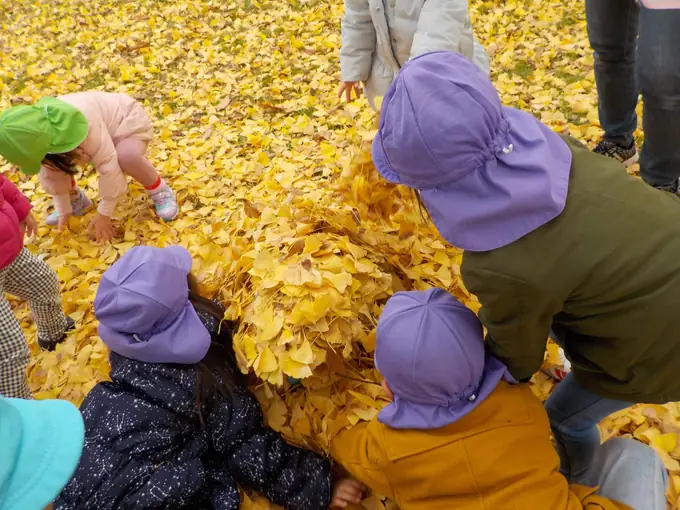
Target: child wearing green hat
column 109, row 130
column 41, row 446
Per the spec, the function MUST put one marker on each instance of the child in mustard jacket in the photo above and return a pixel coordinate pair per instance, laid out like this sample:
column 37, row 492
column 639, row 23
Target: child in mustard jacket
column 461, row 433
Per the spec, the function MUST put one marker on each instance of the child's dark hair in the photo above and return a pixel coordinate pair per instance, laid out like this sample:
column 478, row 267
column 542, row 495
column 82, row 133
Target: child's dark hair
column 424, row 213
column 66, row 162
column 218, row 374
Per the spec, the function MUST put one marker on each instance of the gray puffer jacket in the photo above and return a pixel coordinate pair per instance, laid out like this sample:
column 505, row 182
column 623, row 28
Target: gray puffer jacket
column 380, row 36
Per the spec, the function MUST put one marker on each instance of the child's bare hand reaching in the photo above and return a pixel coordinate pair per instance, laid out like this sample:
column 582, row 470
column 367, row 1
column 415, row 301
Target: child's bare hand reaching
column 30, row 225
column 348, row 87
column 347, row 491
column 63, row 221
column 103, row 228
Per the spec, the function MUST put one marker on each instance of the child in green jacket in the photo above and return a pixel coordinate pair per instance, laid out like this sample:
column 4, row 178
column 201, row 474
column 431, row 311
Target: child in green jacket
column 555, row 238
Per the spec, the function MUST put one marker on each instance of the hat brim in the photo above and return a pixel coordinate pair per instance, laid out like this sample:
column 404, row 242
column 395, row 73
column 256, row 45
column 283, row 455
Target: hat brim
column 404, row 414
column 29, row 164
column 31, row 168
column 380, row 161
column 52, row 440
column 522, row 190
column 185, row 341
column 182, row 256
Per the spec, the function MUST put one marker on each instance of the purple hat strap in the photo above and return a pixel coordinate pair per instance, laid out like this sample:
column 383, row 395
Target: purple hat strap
column 499, row 144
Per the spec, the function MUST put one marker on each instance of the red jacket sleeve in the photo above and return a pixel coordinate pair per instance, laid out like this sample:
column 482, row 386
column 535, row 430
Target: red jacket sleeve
column 15, row 198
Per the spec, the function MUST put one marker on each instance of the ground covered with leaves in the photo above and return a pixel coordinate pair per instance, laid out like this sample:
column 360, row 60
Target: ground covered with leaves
column 288, row 223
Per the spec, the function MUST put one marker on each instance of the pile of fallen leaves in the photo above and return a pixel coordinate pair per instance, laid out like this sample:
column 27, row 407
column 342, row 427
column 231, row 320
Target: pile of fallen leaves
column 285, row 216
column 319, row 269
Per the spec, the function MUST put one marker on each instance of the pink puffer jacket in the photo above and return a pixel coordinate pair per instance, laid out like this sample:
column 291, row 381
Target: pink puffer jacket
column 14, row 207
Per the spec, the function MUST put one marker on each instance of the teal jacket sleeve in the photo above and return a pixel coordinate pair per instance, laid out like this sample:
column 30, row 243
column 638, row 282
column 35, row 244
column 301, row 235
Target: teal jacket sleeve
column 517, row 318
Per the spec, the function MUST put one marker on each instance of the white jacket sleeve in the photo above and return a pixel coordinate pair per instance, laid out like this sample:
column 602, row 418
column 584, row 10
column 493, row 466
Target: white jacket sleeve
column 444, row 25
column 358, row 41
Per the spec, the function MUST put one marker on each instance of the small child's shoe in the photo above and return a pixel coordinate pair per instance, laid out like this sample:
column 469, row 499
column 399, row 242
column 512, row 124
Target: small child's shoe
column 50, row 345
column 79, row 205
column 165, row 202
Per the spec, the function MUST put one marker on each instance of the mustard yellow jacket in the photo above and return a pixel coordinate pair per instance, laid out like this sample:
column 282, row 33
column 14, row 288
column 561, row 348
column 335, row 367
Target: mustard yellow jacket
column 498, row 457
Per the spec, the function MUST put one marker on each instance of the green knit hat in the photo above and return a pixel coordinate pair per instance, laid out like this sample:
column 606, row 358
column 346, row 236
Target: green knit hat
column 29, row 133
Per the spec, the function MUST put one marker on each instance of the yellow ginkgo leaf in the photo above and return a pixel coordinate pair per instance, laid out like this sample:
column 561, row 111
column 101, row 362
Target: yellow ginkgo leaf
column 250, row 350
column 339, row 280
column 312, row 244
column 666, row 442
column 266, row 361
column 294, row 369
column 304, row 354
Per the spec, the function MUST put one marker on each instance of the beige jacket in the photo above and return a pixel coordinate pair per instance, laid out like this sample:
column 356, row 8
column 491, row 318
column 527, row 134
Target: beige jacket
column 111, row 118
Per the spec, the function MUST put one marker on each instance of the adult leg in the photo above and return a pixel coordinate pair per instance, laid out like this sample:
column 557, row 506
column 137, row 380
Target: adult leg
column 574, row 414
column 133, row 162
column 31, row 279
column 659, row 76
column 612, row 30
column 629, row 472
column 14, row 353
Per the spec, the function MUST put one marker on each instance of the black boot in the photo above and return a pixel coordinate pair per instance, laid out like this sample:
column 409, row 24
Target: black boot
column 49, row 346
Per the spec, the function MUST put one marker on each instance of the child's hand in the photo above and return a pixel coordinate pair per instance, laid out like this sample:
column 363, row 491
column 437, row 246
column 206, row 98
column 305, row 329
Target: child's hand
column 63, row 221
column 347, row 87
column 29, row 225
column 347, row 491
column 103, row 228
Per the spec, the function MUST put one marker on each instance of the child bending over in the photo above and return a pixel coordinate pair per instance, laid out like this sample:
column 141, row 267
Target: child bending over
column 111, row 131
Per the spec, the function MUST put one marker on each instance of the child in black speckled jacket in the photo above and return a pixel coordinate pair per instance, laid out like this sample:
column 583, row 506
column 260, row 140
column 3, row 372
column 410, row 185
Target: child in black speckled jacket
column 177, row 428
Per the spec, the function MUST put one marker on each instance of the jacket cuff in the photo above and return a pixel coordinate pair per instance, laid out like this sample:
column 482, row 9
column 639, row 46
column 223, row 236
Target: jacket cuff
column 351, row 77
column 62, row 204
column 107, row 206
column 356, row 68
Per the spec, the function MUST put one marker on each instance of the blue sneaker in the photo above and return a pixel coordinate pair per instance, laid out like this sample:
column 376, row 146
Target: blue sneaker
column 79, row 204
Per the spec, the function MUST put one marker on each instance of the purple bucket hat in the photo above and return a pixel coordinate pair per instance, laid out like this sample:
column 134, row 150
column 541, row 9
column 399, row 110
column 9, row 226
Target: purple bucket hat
column 143, row 308
column 488, row 175
column 430, row 350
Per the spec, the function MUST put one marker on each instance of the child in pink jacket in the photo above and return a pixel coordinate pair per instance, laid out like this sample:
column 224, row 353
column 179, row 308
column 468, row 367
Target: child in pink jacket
column 27, row 277
column 111, row 131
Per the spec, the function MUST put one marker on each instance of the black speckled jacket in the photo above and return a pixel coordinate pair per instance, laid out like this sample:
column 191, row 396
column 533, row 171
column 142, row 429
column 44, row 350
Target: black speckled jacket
column 145, row 448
